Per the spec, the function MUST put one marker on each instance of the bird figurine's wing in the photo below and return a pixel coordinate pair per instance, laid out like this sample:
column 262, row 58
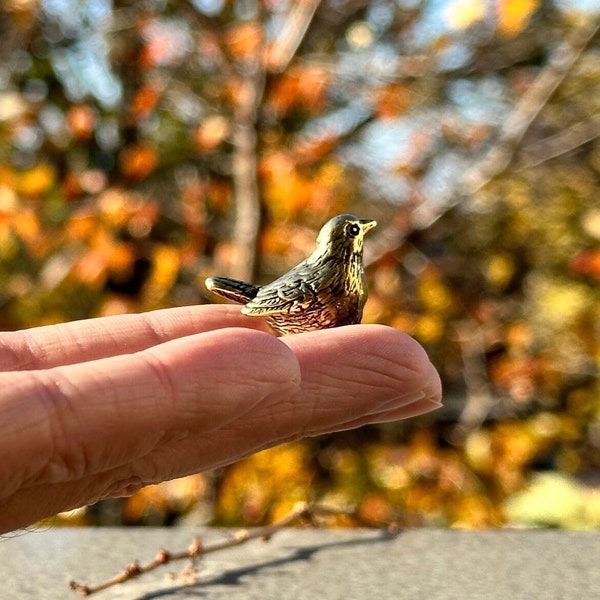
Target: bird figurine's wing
column 294, row 292
column 232, row 289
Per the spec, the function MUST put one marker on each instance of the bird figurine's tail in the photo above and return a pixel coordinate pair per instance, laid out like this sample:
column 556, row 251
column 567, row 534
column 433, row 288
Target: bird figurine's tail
column 232, row 289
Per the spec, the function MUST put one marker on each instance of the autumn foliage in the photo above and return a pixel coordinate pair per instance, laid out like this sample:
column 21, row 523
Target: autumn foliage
column 121, row 165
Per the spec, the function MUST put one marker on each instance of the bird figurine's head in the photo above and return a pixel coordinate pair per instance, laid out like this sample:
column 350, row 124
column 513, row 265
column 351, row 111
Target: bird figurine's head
column 344, row 233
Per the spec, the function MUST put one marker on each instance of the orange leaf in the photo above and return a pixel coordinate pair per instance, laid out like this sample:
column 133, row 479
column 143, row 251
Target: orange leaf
column 391, row 100
column 120, row 257
column 27, row 225
column 144, row 101
column 219, row 195
column 244, row 40
column 90, row 268
column 311, row 150
column 137, row 162
column 8, row 177
column 81, row 120
column 300, row 87
column 82, row 227
column 71, row 186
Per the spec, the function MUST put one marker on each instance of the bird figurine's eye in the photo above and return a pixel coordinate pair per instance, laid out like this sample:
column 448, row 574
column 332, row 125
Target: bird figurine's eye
column 353, row 230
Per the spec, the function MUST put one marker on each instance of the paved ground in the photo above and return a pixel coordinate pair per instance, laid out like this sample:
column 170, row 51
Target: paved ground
column 309, row 564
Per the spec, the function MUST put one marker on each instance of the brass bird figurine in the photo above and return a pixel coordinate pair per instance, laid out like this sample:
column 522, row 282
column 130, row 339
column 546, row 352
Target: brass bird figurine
column 328, row 289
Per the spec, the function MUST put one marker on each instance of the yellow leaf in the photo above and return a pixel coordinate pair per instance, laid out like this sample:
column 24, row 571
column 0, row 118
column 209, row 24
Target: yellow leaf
column 37, row 180
column 166, row 265
column 429, row 329
column 500, row 269
column 460, row 14
column 165, row 268
column 433, row 294
column 513, row 15
column 211, row 133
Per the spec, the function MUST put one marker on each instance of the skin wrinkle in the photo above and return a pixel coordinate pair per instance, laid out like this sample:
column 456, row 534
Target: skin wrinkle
column 389, row 370
column 375, row 390
column 73, row 340
column 121, row 485
column 255, row 378
column 236, row 429
column 161, row 371
column 126, row 488
column 327, row 381
column 300, row 417
column 154, row 328
column 37, row 352
column 247, row 382
column 41, row 500
column 10, row 352
column 118, row 337
column 399, row 401
column 148, row 467
column 55, row 397
column 397, row 371
column 29, row 347
column 420, row 360
column 403, row 413
column 58, row 409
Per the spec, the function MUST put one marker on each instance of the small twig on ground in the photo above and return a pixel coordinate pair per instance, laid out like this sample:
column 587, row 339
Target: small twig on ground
column 304, row 513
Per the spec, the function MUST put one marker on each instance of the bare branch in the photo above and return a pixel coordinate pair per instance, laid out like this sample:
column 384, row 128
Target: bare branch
column 303, row 513
column 562, row 143
column 480, row 399
column 245, row 155
column 291, row 35
column 244, row 169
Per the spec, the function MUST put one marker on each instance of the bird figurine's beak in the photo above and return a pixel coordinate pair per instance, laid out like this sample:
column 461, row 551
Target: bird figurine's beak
column 367, row 224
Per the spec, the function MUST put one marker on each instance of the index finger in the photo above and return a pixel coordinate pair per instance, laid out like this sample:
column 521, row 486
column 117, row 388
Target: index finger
column 91, row 339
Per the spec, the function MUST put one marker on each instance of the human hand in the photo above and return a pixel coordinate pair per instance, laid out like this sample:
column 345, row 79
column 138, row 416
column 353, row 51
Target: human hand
column 99, row 408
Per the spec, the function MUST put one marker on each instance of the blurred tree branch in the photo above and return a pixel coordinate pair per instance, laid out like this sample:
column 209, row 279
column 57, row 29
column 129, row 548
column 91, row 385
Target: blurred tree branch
column 244, row 169
column 557, row 145
column 479, row 399
column 500, row 155
column 245, row 155
column 291, row 35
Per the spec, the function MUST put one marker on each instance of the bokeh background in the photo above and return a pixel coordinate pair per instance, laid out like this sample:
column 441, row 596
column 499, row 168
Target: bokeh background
column 145, row 145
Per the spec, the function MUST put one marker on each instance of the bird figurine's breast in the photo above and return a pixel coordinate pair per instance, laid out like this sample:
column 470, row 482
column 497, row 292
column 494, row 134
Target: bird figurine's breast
column 328, row 289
